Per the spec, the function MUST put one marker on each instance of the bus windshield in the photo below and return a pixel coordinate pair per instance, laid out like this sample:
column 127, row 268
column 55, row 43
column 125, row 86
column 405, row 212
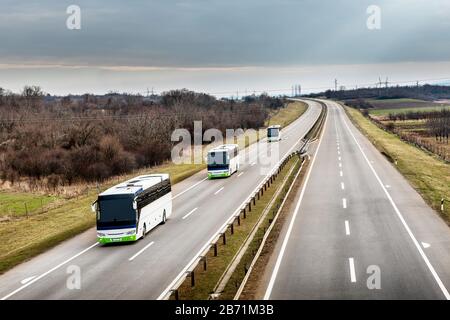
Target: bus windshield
column 217, row 160
column 116, row 211
column 272, row 132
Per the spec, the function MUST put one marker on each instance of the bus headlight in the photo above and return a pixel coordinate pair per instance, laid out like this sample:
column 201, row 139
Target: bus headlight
column 99, row 234
column 131, row 232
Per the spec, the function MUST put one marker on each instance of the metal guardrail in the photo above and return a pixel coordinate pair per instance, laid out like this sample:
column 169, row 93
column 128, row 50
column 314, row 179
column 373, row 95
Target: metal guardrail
column 241, row 212
column 229, row 225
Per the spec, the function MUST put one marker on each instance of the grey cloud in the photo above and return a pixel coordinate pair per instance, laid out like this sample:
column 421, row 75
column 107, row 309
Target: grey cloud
column 223, row 33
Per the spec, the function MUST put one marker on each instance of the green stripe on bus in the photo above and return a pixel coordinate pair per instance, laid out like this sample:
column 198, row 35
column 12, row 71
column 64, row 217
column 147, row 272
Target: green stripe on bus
column 122, row 239
column 215, row 175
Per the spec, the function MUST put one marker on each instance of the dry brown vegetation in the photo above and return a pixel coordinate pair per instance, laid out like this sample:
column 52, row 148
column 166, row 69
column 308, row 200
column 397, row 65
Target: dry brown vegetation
column 57, row 141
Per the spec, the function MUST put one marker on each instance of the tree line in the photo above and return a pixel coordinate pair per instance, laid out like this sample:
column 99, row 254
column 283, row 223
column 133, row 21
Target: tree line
column 62, row 140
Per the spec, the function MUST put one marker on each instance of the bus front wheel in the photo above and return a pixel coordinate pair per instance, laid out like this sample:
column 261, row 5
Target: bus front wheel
column 144, row 231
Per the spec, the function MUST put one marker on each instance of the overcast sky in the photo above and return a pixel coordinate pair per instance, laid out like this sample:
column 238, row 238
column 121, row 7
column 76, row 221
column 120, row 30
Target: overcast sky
column 219, row 45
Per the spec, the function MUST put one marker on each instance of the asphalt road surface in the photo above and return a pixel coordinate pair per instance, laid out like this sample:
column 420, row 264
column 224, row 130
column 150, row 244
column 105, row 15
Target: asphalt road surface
column 359, row 231
column 146, row 269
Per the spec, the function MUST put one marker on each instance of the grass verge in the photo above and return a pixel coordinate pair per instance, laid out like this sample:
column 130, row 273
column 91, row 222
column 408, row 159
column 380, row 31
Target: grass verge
column 425, row 172
column 288, row 114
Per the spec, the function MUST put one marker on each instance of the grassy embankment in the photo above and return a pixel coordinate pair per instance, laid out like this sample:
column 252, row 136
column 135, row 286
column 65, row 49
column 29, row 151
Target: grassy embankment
column 427, row 174
column 22, row 236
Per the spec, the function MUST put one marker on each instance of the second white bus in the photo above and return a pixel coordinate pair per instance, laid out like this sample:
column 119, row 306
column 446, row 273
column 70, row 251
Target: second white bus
column 223, row 161
column 274, row 133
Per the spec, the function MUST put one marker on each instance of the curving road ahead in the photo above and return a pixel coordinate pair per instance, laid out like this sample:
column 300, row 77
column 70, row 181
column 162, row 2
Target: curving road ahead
column 145, row 269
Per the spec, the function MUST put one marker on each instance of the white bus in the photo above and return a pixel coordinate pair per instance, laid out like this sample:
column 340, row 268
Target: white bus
column 274, row 133
column 223, row 161
column 127, row 211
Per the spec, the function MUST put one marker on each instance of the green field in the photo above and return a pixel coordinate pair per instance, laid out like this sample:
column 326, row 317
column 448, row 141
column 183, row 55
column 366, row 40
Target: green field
column 23, row 237
column 398, row 103
column 18, row 204
column 385, row 112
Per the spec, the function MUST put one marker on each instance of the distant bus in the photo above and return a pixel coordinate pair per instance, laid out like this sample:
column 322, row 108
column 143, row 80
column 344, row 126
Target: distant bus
column 223, row 161
column 127, row 211
column 274, row 133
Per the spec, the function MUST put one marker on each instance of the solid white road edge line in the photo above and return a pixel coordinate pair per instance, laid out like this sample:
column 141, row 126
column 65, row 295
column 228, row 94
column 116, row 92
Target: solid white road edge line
column 48, row 272
column 403, row 221
column 190, row 212
column 291, row 224
column 142, row 250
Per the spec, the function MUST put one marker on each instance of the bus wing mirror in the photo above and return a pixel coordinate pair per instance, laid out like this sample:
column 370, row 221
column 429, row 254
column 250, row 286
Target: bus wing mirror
column 134, row 205
column 94, row 207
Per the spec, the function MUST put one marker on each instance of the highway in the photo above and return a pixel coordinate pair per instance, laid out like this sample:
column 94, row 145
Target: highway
column 147, row 268
column 358, row 230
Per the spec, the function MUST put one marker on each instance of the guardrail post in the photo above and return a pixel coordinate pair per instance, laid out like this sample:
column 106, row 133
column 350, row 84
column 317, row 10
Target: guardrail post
column 192, row 275
column 224, row 238
column 176, row 295
column 239, row 219
column 254, row 200
column 232, row 228
column 203, row 259
column 244, row 212
column 250, row 206
column 215, row 249
column 258, row 194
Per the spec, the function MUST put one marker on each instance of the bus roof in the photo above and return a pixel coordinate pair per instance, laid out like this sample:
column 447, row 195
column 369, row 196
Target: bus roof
column 135, row 185
column 224, row 147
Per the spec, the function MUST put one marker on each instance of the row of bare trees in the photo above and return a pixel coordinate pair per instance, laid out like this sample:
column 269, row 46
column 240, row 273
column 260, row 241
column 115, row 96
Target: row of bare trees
column 438, row 147
column 61, row 140
column 439, row 125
